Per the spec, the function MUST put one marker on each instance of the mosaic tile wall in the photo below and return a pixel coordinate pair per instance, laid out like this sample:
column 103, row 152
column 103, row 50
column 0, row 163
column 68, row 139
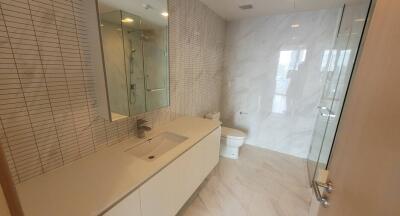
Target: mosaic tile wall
column 197, row 44
column 47, row 97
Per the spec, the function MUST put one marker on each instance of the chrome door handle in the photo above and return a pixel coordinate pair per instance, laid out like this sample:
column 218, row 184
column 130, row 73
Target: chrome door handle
column 326, row 112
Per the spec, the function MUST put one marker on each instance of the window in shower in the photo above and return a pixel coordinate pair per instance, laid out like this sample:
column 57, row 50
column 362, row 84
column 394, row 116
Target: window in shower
column 288, row 72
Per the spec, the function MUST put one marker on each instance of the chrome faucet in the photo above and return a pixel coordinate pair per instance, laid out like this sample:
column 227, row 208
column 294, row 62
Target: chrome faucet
column 141, row 128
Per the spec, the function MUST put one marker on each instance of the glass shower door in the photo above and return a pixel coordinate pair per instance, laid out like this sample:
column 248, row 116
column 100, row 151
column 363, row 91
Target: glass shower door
column 133, row 41
column 339, row 67
column 156, row 75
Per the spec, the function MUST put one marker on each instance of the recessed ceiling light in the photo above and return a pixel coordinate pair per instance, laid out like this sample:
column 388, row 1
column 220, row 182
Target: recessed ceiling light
column 359, row 20
column 164, row 14
column 127, row 20
column 295, row 25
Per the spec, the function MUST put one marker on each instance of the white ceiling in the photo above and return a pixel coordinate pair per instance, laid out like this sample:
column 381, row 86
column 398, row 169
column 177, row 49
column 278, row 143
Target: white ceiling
column 229, row 9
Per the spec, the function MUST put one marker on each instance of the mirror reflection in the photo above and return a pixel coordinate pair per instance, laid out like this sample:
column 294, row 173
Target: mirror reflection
column 135, row 50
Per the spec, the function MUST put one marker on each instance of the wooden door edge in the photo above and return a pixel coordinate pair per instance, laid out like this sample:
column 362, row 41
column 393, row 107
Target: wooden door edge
column 8, row 186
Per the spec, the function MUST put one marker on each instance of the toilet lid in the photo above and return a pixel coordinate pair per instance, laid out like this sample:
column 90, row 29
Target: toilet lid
column 232, row 133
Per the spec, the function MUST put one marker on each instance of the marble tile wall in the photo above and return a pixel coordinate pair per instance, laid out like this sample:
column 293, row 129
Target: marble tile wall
column 47, row 97
column 274, row 76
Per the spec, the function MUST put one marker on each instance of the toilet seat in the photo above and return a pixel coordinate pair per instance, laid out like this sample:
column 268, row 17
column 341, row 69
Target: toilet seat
column 231, row 133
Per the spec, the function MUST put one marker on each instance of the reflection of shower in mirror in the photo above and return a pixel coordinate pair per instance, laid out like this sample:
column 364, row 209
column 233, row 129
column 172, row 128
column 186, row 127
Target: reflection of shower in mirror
column 132, row 89
column 143, row 37
column 136, row 62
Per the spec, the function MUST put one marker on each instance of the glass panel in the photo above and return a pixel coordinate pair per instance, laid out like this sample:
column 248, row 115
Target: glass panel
column 339, row 66
column 156, row 75
column 113, row 49
column 133, row 43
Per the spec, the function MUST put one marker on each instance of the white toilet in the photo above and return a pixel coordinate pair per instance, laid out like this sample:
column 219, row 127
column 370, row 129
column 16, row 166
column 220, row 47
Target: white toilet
column 231, row 139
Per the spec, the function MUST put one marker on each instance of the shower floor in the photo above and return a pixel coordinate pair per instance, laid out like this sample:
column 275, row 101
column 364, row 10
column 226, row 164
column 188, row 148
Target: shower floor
column 261, row 182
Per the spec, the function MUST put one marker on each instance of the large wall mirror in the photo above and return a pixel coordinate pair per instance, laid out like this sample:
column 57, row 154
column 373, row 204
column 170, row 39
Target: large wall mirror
column 134, row 36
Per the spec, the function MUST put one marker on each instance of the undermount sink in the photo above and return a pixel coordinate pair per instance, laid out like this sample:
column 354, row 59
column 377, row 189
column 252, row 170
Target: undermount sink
column 156, row 146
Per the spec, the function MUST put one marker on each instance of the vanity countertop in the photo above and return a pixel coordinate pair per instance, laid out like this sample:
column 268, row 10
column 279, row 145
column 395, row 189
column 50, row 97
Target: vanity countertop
column 90, row 185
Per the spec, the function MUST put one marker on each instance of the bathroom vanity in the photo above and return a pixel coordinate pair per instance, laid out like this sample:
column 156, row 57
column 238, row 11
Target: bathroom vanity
column 138, row 177
column 148, row 176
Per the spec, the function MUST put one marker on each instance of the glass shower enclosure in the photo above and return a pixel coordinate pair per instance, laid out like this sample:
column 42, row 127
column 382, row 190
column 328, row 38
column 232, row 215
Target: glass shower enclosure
column 146, row 62
column 340, row 65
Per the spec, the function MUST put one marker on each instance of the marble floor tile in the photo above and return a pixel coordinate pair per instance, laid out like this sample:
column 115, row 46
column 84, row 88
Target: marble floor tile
column 260, row 183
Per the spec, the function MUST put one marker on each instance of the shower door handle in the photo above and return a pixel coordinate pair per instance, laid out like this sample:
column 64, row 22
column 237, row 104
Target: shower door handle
column 326, row 112
column 157, row 89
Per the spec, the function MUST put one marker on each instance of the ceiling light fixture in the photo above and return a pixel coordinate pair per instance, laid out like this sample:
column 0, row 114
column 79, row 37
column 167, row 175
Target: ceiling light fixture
column 127, row 20
column 295, row 25
column 165, row 14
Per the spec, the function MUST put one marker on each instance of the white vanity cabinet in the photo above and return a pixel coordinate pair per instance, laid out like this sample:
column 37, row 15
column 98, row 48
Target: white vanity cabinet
column 130, row 206
column 163, row 193
column 166, row 192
